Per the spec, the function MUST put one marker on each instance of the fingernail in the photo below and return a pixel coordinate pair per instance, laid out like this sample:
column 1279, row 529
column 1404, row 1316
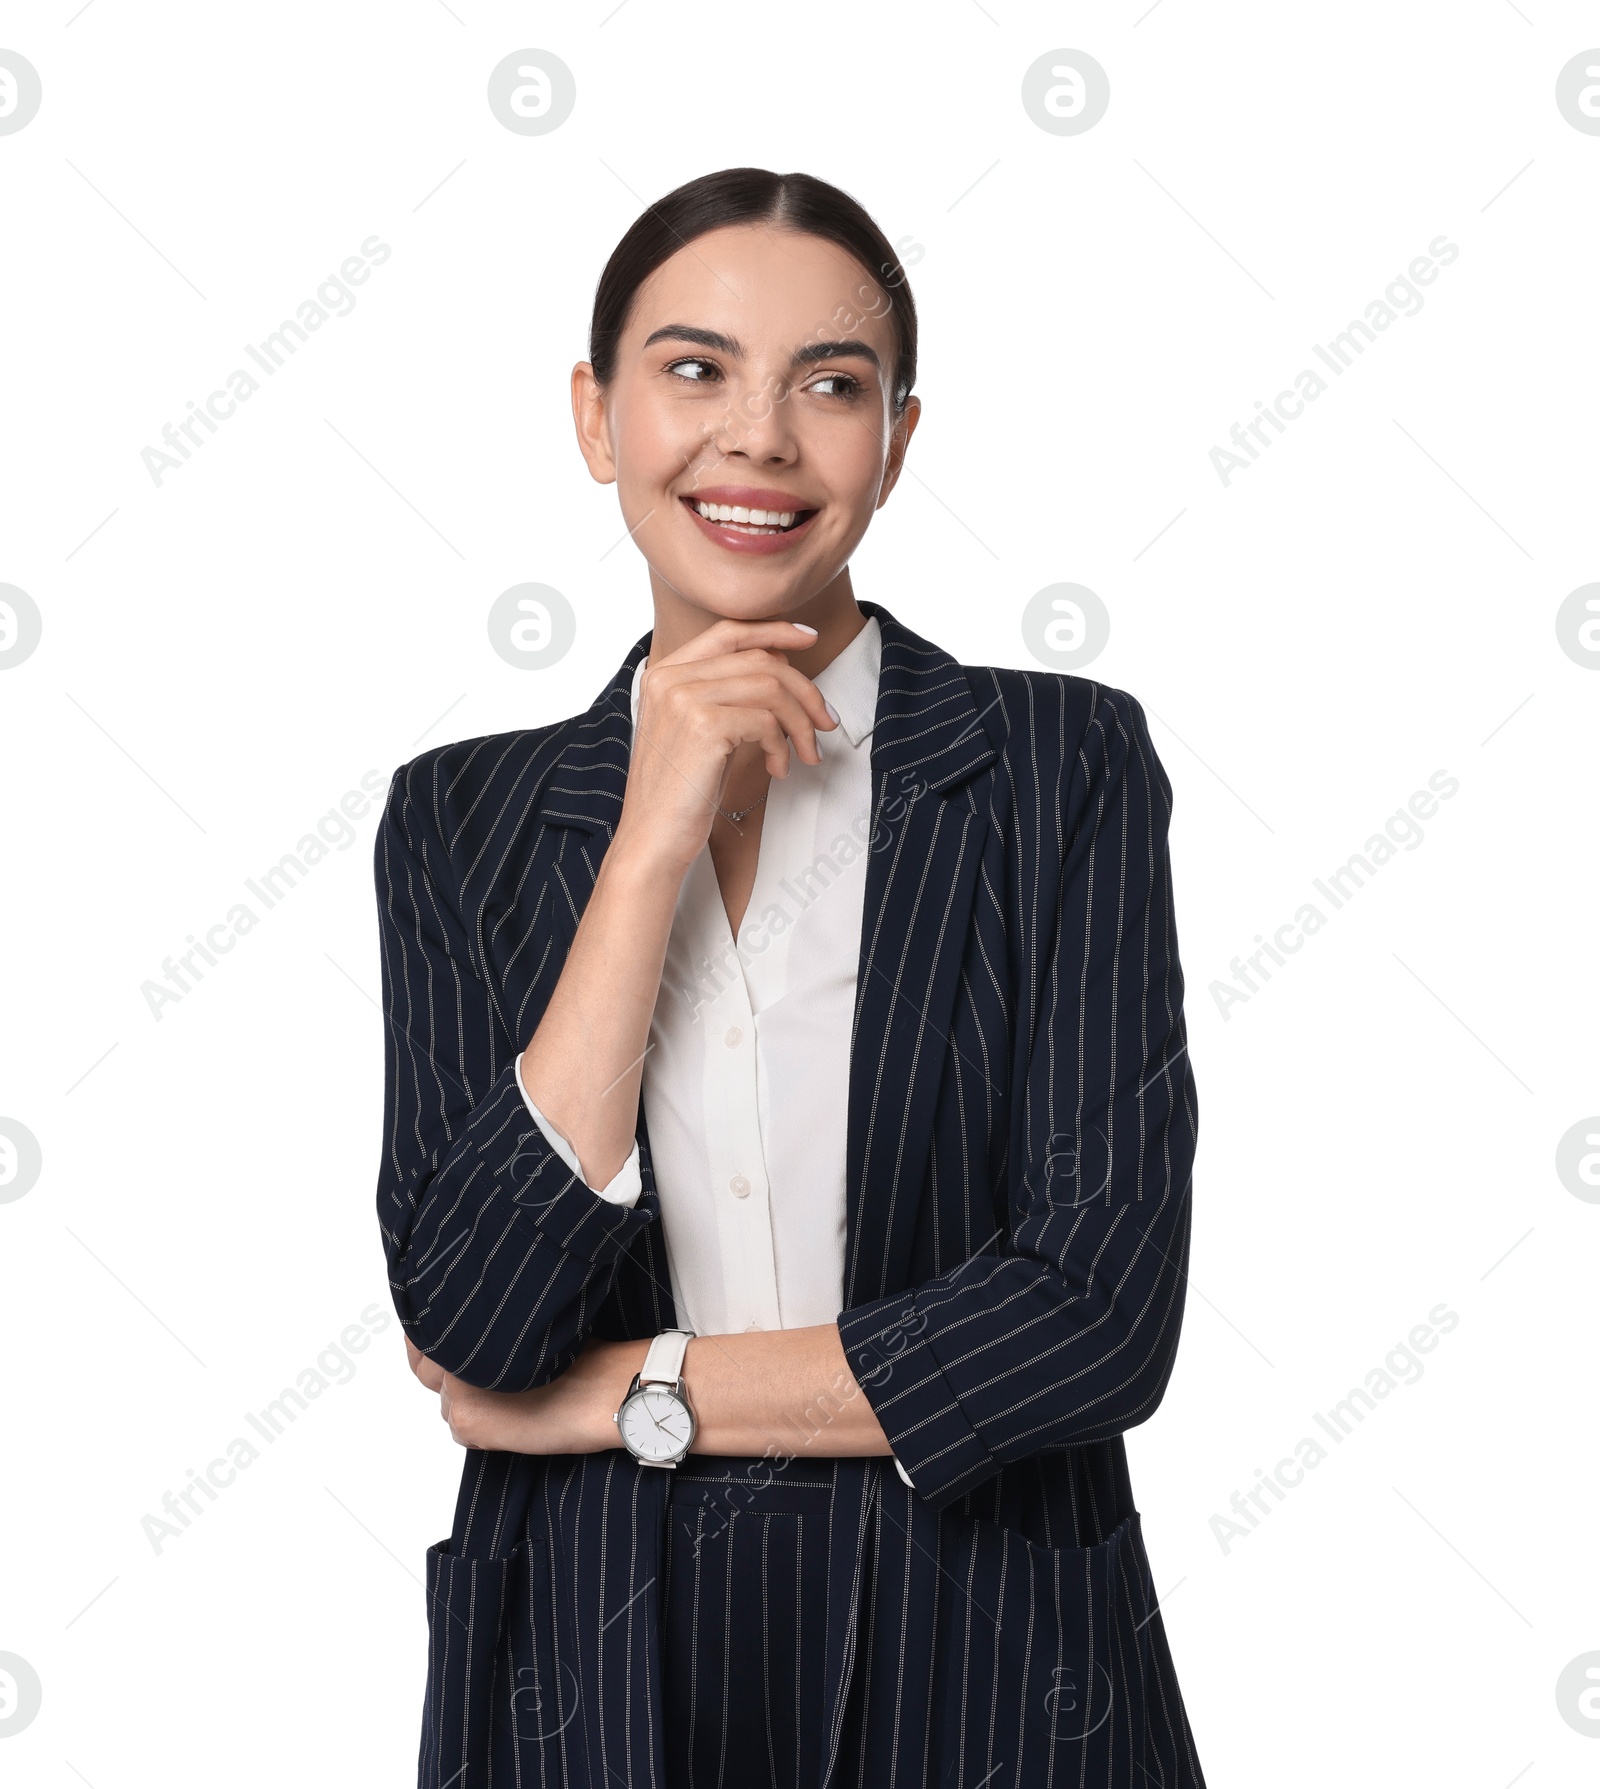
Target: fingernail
column 833, row 713
column 804, row 629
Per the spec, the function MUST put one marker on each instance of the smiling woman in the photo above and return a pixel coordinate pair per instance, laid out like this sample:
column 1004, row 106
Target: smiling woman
column 792, row 1311
column 738, row 331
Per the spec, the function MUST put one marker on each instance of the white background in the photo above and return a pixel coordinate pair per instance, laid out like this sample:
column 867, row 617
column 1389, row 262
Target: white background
column 225, row 655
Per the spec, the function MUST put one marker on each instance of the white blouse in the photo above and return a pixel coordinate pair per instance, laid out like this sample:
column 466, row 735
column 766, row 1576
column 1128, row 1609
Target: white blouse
column 746, row 1078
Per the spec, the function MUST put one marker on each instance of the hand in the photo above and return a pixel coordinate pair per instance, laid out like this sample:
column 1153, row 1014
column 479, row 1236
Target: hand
column 431, row 1376
column 730, row 686
column 570, row 1415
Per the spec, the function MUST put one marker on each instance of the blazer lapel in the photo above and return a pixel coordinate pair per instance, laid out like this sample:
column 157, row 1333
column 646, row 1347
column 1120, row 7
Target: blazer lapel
column 583, row 792
column 586, row 787
column 927, row 843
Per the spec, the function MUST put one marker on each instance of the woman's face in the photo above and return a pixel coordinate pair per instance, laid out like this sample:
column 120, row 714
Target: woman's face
column 756, row 373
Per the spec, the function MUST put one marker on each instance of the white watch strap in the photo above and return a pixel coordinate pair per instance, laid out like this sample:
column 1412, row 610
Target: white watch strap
column 663, row 1361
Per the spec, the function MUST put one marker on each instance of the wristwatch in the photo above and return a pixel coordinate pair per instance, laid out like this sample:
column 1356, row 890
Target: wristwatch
column 654, row 1418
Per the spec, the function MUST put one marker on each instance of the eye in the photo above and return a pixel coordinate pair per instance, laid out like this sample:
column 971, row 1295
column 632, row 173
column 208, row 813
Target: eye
column 850, row 386
column 692, row 361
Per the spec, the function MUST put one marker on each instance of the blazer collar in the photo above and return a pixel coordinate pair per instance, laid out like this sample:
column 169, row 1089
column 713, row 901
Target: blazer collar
column 927, row 730
column 927, row 724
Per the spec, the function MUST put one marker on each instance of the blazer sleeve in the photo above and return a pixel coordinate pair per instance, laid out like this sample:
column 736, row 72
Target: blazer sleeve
column 1068, row 1335
column 499, row 1254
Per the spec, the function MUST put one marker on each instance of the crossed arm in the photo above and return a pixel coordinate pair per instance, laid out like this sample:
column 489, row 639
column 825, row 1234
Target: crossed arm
column 500, row 1256
column 729, row 692
column 787, row 1392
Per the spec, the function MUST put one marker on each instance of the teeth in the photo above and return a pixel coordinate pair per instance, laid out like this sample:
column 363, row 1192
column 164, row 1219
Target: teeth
column 755, row 518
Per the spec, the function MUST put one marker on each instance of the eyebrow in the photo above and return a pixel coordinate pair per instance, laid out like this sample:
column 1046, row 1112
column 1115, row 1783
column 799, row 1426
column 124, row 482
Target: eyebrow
column 729, row 345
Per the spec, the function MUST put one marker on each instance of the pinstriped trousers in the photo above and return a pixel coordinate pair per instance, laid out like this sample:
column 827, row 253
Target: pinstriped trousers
column 745, row 1622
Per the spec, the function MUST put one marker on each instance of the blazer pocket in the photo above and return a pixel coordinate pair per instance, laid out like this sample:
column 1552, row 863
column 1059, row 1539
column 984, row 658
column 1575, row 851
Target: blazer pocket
column 1046, row 1654
column 470, row 1606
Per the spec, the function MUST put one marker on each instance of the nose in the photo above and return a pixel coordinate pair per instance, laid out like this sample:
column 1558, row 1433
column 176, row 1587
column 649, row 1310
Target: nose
column 756, row 425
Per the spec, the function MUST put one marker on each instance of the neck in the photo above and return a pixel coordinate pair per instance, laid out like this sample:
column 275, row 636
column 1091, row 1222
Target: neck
column 832, row 611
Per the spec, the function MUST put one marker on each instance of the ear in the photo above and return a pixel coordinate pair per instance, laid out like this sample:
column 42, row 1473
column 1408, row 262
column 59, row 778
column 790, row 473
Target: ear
column 900, row 433
column 593, row 424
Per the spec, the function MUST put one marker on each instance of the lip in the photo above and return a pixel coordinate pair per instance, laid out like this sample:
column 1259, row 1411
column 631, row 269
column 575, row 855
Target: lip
column 747, row 497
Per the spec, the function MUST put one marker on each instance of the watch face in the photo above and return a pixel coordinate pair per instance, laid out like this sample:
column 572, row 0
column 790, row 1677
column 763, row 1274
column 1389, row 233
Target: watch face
column 655, row 1423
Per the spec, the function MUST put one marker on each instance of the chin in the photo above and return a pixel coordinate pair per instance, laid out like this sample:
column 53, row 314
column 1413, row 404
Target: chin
column 742, row 605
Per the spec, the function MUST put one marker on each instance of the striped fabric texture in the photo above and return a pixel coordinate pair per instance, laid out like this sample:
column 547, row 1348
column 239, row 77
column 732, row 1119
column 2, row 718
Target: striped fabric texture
column 744, row 1644
column 1021, row 1133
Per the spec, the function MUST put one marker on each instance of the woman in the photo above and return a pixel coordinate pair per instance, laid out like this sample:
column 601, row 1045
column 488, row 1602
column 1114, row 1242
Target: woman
column 816, row 997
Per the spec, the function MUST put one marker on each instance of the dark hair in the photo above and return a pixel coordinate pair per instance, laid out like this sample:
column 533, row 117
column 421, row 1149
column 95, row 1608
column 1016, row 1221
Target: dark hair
column 749, row 196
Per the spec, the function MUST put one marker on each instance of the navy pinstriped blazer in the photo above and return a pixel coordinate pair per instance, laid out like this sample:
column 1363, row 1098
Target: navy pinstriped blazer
column 1021, row 1131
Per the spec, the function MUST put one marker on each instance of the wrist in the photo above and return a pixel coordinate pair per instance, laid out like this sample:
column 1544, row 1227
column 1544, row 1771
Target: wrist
column 639, row 857
column 622, row 1362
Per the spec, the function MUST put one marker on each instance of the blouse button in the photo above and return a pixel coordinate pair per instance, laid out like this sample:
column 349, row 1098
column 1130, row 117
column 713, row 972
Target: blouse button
column 732, row 1037
column 739, row 1187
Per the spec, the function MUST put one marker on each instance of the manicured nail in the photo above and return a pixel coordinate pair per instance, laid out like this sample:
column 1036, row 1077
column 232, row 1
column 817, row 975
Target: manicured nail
column 803, row 628
column 833, row 713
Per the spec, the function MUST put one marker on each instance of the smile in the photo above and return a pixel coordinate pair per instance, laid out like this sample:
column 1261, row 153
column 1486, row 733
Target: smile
column 742, row 528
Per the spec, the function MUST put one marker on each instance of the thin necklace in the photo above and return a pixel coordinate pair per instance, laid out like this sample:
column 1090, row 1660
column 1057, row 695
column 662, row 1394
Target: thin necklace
column 739, row 813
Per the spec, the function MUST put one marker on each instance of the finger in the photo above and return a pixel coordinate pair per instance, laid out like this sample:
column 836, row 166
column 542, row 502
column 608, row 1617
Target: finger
column 776, row 697
column 729, row 636
column 743, row 677
column 746, row 680
column 759, row 726
column 746, row 661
